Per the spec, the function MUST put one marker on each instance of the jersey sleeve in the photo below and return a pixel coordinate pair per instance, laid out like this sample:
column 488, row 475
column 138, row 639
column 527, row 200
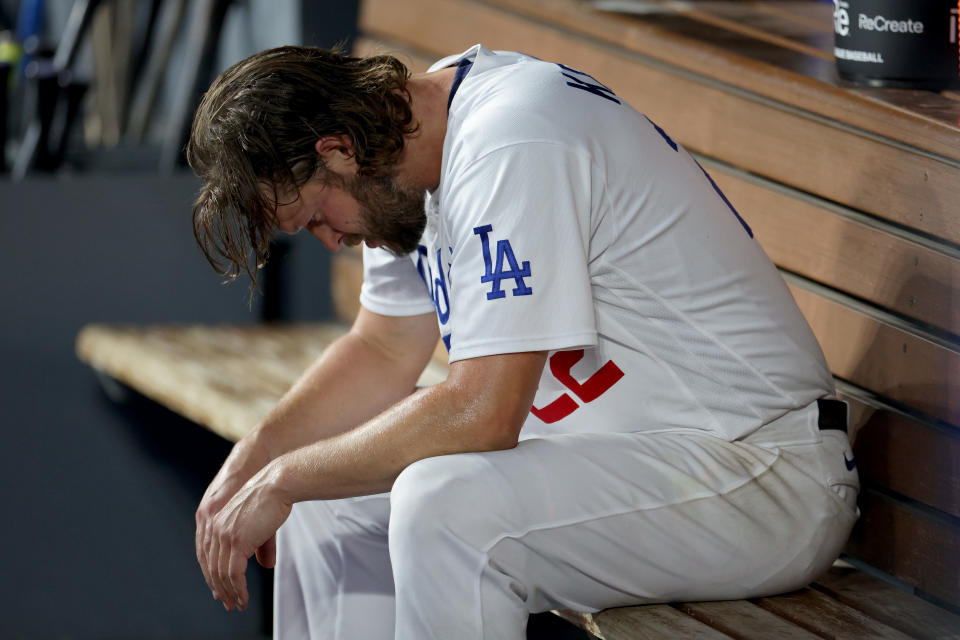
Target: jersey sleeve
column 391, row 285
column 519, row 271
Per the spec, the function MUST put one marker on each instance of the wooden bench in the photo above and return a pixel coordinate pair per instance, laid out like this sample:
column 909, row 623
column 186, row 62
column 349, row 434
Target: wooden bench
column 852, row 192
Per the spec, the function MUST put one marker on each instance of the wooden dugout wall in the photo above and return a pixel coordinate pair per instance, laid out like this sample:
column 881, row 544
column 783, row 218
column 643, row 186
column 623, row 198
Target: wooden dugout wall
column 854, row 194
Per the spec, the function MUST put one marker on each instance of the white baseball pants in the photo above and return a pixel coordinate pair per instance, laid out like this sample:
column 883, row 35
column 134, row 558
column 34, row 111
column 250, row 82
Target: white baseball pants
column 467, row 545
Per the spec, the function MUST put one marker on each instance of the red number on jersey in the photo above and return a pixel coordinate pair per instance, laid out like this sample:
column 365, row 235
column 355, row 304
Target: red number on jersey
column 592, row 388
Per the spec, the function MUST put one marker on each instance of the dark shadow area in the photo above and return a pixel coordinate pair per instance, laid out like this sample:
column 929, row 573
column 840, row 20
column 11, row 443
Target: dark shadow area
column 101, row 499
column 547, row 626
column 98, row 497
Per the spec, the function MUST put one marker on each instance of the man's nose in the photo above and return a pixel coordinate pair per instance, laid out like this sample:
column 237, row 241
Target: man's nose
column 326, row 235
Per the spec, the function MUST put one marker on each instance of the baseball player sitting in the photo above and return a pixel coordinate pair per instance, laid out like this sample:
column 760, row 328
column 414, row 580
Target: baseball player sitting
column 636, row 411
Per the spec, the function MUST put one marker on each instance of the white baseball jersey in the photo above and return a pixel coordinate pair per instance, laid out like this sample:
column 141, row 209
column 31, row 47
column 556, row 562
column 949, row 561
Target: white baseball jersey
column 567, row 221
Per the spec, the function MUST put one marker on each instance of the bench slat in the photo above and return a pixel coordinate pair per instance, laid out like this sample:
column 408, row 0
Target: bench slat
column 797, row 52
column 744, row 620
column 913, row 544
column 802, row 235
column 812, row 36
column 720, row 58
column 207, row 374
column 889, row 605
column 828, row 618
column 652, row 621
column 909, row 457
column 226, row 378
column 883, row 358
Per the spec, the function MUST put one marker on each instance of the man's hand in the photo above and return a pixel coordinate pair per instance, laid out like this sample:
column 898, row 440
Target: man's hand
column 244, row 461
column 359, row 376
column 245, row 525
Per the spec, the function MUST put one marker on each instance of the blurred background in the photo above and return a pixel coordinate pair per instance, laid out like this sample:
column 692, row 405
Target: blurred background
column 98, row 497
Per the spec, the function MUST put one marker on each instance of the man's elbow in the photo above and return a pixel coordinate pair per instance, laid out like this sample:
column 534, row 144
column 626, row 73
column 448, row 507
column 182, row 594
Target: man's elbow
column 498, row 435
column 503, row 442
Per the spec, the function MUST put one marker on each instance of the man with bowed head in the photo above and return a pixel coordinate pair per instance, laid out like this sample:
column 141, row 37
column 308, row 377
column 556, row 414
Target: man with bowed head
column 636, row 411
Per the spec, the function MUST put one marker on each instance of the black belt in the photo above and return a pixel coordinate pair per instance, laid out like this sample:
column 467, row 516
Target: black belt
column 833, row 414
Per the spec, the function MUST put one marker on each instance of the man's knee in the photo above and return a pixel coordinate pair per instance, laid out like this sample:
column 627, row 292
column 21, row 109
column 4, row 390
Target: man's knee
column 436, row 499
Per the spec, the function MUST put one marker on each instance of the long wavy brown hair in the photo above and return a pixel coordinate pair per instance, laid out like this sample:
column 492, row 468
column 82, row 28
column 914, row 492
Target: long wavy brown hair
column 254, row 133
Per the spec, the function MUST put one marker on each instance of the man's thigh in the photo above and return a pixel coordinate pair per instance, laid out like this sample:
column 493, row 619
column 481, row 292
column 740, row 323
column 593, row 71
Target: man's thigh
column 588, row 521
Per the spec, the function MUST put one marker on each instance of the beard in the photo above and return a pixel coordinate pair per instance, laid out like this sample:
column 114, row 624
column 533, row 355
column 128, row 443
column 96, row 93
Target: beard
column 392, row 215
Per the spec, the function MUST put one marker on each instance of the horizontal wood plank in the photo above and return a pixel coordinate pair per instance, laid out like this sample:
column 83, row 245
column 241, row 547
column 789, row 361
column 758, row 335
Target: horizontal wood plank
column 652, row 621
column 917, row 547
column 894, row 607
column 906, row 456
column 780, row 143
column 744, row 620
column 708, row 56
column 804, row 39
column 804, row 236
column 778, row 22
column 226, row 378
column 800, row 11
column 722, row 25
column 883, row 358
column 828, row 618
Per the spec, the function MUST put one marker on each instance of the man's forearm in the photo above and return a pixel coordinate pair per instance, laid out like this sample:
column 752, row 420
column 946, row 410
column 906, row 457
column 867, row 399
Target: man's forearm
column 364, row 372
column 350, row 383
column 469, row 414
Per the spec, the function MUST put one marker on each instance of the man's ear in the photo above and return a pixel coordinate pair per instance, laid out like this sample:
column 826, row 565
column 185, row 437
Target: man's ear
column 329, row 145
column 336, row 152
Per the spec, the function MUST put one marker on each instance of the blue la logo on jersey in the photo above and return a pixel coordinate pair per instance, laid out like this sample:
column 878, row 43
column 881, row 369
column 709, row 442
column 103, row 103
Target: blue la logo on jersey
column 495, row 275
